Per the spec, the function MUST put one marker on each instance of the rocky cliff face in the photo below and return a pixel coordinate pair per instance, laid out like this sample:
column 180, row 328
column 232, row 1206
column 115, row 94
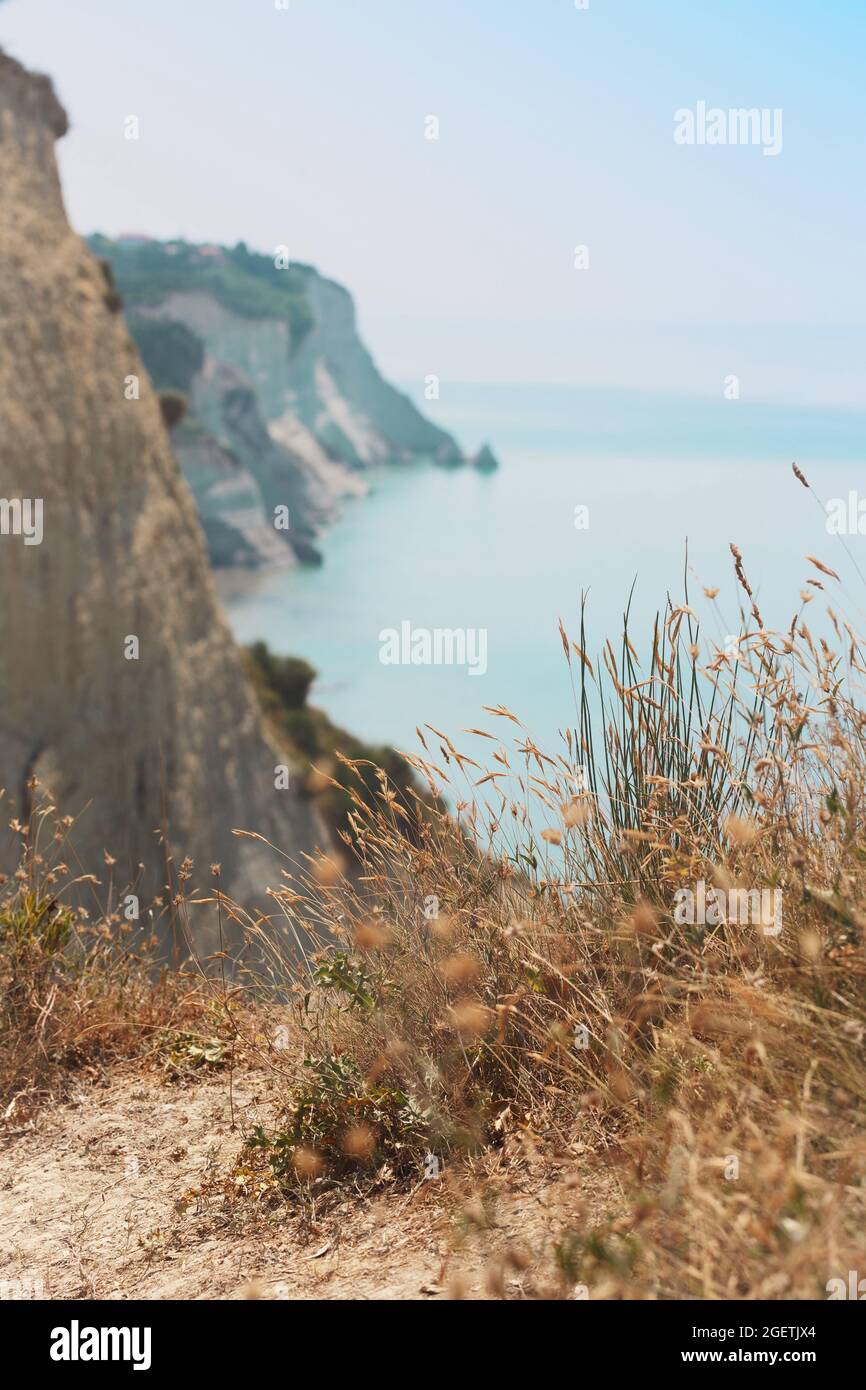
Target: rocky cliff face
column 120, row 687
column 336, row 389
column 316, row 412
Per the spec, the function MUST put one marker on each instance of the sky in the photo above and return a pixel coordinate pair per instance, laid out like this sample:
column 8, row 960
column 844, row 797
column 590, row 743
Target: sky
column 305, row 127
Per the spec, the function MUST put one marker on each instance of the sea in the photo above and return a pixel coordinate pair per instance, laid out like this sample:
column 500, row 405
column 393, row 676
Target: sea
column 604, row 500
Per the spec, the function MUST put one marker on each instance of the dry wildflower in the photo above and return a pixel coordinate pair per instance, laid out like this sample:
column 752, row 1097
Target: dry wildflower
column 576, row 813
column 359, row 1142
column 738, row 567
column 308, row 1164
column 470, row 1018
column 742, row 832
column 825, row 569
column 443, row 926
column 318, row 781
column 460, row 968
column 621, row 1086
column 584, row 658
column 328, row 869
column 372, row 936
column 643, row 920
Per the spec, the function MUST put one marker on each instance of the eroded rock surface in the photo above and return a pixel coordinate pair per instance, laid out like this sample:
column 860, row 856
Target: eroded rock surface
column 171, row 740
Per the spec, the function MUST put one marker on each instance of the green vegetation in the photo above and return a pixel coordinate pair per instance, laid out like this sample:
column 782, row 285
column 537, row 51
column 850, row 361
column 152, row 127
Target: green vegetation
column 113, row 298
column 173, row 405
column 185, row 1052
column 170, row 351
column 385, row 1123
column 241, row 280
column 282, row 684
column 282, row 680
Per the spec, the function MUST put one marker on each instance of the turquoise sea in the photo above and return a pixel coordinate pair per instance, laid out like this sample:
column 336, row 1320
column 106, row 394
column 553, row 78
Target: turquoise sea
column 444, row 549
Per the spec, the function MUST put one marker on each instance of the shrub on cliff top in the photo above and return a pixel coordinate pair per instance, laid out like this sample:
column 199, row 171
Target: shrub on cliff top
column 173, row 405
column 338, row 769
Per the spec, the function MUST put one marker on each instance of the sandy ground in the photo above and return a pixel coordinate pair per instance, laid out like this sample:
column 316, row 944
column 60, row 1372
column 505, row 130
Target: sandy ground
column 89, row 1206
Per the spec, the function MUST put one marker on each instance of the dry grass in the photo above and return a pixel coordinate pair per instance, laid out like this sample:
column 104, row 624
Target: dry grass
column 517, row 972
column 79, row 991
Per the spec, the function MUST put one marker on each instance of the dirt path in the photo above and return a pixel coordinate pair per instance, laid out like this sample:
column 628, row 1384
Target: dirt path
column 89, row 1194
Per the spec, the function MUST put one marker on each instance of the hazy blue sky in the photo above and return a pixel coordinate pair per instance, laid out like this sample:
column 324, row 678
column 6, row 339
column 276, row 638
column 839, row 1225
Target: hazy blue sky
column 305, row 127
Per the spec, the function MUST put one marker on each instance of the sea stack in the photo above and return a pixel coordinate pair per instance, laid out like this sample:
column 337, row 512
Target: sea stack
column 485, row 460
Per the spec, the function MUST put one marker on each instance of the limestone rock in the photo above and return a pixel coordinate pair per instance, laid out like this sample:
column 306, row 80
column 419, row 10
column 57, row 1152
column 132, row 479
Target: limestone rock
column 171, row 741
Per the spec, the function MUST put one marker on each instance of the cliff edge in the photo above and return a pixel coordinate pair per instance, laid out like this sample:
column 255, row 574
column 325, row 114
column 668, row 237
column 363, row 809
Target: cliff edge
column 286, row 406
column 120, row 687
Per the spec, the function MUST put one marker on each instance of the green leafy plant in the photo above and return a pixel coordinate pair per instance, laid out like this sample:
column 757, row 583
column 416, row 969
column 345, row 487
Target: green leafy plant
column 338, row 971
column 186, row 1052
column 333, row 1105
